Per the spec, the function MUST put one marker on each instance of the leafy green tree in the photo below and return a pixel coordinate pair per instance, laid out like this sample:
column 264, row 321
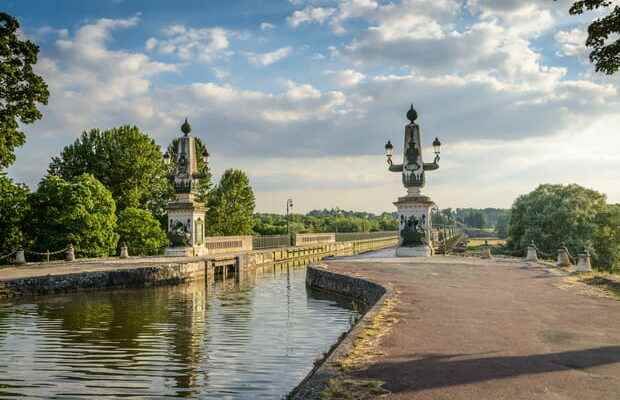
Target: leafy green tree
column 607, row 239
column 20, row 88
column 204, row 182
column 556, row 214
column 501, row 228
column 126, row 160
column 13, row 211
column 606, row 53
column 140, row 231
column 231, row 205
column 81, row 212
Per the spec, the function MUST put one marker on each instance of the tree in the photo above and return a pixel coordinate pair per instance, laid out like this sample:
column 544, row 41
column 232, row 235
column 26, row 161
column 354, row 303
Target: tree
column 607, row 239
column 553, row 215
column 140, row 231
column 606, row 53
column 13, row 211
column 81, row 212
column 231, row 205
column 20, row 88
column 126, row 160
column 204, row 182
column 501, row 228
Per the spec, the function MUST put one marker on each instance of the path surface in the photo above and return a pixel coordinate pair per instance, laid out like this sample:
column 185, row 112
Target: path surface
column 500, row 329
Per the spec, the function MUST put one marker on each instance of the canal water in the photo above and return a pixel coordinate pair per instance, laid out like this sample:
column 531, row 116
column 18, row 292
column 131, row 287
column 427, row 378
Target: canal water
column 255, row 340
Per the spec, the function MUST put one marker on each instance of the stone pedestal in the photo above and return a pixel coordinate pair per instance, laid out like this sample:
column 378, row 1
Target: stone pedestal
column 584, row 265
column 20, row 257
column 486, row 253
column 188, row 214
column 563, row 259
column 532, row 254
column 415, row 208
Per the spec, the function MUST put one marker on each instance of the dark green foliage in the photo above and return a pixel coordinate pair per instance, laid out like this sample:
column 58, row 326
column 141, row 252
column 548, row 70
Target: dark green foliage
column 20, row 88
column 607, row 238
column 555, row 214
column 231, row 205
column 334, row 220
column 141, row 232
column 605, row 53
column 81, row 211
column 13, row 212
column 204, row 182
column 501, row 228
column 126, row 160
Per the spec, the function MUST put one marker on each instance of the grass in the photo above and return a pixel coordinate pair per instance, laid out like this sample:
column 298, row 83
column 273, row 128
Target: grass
column 609, row 283
column 351, row 389
column 366, row 343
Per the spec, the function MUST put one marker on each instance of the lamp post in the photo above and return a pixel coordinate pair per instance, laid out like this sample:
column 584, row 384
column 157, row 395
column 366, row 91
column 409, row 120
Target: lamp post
column 389, row 151
column 289, row 208
column 436, row 148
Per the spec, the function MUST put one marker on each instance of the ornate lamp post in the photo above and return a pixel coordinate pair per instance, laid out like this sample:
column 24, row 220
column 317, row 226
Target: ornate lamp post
column 289, row 208
column 414, row 209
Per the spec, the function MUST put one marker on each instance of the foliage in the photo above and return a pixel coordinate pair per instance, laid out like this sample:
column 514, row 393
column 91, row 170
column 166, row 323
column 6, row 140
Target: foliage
column 204, row 182
column 607, row 238
column 553, row 215
column 20, row 88
column 126, row 160
column 501, row 228
column 606, row 53
column 317, row 221
column 81, row 212
column 231, row 205
column 13, row 211
column 140, row 231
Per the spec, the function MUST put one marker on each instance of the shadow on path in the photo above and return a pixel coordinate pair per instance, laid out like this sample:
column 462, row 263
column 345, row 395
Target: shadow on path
column 430, row 371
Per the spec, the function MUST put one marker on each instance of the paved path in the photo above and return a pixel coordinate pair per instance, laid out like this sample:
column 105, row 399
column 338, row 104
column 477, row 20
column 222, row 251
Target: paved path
column 473, row 329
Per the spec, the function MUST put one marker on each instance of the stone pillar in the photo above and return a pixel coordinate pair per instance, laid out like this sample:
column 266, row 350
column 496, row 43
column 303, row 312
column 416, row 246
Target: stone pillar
column 563, row 259
column 124, row 251
column 20, row 257
column 532, row 254
column 486, row 251
column 584, row 265
column 70, row 253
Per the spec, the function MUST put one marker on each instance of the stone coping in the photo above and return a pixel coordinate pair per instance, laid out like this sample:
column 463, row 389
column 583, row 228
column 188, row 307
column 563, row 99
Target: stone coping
column 372, row 294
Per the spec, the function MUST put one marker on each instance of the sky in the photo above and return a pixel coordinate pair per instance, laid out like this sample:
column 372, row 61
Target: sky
column 303, row 95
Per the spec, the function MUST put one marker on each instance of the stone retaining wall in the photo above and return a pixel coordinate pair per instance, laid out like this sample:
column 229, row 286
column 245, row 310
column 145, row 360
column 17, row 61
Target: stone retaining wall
column 364, row 291
column 166, row 274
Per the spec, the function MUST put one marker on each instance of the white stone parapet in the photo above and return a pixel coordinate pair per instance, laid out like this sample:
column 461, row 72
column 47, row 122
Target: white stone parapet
column 227, row 244
column 304, row 239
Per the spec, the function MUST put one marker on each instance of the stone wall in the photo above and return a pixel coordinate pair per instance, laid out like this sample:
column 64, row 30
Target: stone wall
column 137, row 276
column 227, row 244
column 304, row 239
column 363, row 291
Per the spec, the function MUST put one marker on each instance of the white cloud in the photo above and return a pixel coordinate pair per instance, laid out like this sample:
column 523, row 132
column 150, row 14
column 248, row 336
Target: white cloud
column 192, row 44
column 346, row 77
column 266, row 26
column 265, row 59
column 573, row 42
column 309, row 15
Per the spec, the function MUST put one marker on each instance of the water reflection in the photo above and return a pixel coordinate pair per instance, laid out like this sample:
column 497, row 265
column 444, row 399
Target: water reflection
column 251, row 338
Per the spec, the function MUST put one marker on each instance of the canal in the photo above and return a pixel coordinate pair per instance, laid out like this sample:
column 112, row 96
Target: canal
column 255, row 340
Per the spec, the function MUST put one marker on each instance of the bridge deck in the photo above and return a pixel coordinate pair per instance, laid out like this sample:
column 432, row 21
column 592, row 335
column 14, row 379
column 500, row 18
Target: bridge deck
column 496, row 329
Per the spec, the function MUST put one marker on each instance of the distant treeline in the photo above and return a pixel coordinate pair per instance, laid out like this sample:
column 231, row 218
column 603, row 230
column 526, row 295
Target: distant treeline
column 490, row 219
column 334, row 220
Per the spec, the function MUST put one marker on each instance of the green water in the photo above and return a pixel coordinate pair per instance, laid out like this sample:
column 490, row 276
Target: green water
column 228, row 341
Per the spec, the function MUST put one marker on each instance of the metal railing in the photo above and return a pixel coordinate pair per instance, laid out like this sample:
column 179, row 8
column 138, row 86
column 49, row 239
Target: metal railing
column 271, row 241
column 351, row 236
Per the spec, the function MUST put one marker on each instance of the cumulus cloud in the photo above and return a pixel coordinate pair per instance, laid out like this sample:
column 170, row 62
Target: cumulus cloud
column 346, row 78
column 265, row 59
column 573, row 42
column 309, row 15
column 191, row 44
column 266, row 26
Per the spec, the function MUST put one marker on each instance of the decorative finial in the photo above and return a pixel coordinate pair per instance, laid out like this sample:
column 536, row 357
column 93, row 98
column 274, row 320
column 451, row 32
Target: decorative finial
column 412, row 114
column 186, row 128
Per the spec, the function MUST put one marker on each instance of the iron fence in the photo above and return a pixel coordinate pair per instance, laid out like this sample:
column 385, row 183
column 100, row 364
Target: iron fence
column 271, row 241
column 350, row 236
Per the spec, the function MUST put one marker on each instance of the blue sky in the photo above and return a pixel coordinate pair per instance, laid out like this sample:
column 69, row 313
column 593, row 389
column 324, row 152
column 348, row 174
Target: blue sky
column 303, row 94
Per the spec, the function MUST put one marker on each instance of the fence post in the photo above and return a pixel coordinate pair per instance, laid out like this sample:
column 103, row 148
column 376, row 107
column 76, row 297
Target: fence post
column 47, row 255
column 563, row 259
column 486, row 251
column 584, row 264
column 124, row 251
column 20, row 257
column 532, row 254
column 70, row 253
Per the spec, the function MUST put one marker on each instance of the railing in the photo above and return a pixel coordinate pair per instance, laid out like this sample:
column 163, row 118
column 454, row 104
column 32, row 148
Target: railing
column 271, row 241
column 348, row 237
